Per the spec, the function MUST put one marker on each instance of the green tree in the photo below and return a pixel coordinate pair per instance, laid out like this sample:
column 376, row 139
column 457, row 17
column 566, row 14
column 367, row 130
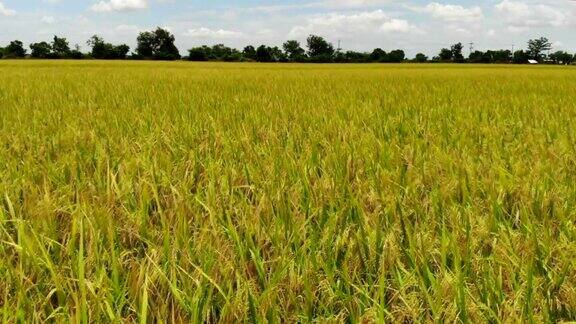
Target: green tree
column 146, row 45
column 456, row 50
column 445, row 55
column 396, row 56
column 263, row 54
column 158, row 45
column 353, row 57
column 319, row 50
column 421, row 58
column 200, row 53
column 106, row 51
column 294, row 51
column 76, row 53
column 41, row 50
column 490, row 56
column 278, row 55
column 561, row 57
column 121, row 51
column 477, row 57
column 100, row 49
column 222, row 52
column 520, row 57
column 15, row 50
column 234, row 56
column 500, row 56
column 537, row 47
column 378, row 55
column 249, row 52
column 165, row 45
column 60, row 47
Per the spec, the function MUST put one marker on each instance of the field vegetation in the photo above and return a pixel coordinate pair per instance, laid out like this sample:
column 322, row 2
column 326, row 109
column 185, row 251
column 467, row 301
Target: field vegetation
column 213, row 192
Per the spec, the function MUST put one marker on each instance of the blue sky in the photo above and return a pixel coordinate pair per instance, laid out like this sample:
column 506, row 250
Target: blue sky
column 416, row 26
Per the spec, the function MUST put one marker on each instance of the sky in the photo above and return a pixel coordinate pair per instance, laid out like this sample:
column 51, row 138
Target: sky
column 415, row 25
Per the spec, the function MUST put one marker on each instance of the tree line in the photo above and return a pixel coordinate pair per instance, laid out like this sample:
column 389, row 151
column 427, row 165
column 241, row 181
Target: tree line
column 159, row 44
column 151, row 45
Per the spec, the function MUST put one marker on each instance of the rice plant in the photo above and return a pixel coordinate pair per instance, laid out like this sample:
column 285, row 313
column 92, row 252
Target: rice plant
column 190, row 192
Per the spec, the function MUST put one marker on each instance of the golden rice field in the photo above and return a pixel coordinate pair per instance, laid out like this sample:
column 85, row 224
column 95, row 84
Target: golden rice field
column 190, row 192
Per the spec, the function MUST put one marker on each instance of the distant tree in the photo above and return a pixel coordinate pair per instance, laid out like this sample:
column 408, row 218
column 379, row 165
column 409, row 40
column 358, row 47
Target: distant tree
column 294, row 51
column 158, row 45
column 15, row 50
column 520, row 57
column 121, row 51
column 1, row 52
column 106, row 51
column 477, row 57
column 200, row 54
column 396, row 56
column 60, row 47
column 75, row 53
column 501, row 56
column 456, row 50
column 421, row 58
column 498, row 56
column 319, row 50
column 263, row 54
column 445, row 55
column 249, row 52
column 165, row 45
column 340, row 57
column 561, row 57
column 235, row 56
column 354, row 57
column 278, row 55
column 378, row 55
column 41, row 50
column 100, row 50
column 146, row 45
column 536, row 48
column 220, row 52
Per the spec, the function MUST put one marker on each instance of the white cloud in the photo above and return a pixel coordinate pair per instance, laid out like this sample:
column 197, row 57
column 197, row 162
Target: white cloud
column 397, row 25
column 5, row 11
column 208, row 33
column 119, row 5
column 49, row 20
column 352, row 3
column 453, row 13
column 339, row 24
column 521, row 15
column 127, row 30
column 324, row 4
column 557, row 44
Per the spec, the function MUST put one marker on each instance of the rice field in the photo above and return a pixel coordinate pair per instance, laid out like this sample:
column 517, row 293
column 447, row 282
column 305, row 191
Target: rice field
column 206, row 192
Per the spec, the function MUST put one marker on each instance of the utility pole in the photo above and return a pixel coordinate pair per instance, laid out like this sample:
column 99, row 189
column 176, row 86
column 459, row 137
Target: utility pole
column 339, row 46
column 512, row 54
column 471, row 48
